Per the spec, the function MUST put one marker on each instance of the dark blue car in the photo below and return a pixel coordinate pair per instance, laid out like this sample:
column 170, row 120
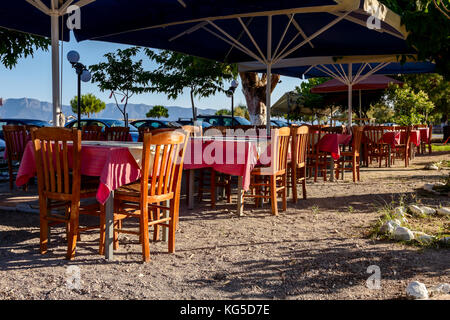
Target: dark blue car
column 104, row 123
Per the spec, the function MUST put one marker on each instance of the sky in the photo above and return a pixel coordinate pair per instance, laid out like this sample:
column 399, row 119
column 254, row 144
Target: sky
column 31, row 78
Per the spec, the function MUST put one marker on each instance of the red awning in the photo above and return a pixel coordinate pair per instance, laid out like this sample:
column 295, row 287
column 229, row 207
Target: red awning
column 374, row 82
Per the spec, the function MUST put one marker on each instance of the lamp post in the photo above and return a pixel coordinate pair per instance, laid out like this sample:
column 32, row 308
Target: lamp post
column 230, row 94
column 83, row 75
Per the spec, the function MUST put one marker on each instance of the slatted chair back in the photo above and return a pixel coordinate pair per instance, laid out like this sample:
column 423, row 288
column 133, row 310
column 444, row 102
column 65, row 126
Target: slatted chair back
column 15, row 140
column 161, row 152
column 91, row 133
column 29, row 127
column 117, row 133
column 151, row 130
column 338, row 129
column 299, row 143
column 194, row 131
column 357, row 132
column 280, row 139
column 52, row 149
column 373, row 134
column 315, row 134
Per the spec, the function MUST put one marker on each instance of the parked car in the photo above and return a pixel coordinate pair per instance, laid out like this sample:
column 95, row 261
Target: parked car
column 279, row 123
column 188, row 121
column 104, row 123
column 224, row 120
column 22, row 122
column 2, row 149
column 155, row 124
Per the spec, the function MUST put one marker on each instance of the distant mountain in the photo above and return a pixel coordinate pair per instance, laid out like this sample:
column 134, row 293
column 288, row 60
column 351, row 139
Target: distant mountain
column 28, row 108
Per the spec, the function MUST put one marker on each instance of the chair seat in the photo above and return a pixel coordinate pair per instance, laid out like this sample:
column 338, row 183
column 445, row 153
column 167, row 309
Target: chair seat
column 263, row 171
column 133, row 190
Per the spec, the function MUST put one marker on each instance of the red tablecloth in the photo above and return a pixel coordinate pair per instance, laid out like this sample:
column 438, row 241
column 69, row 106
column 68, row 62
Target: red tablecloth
column 392, row 138
column 236, row 158
column 424, row 134
column 414, row 137
column 331, row 141
column 114, row 165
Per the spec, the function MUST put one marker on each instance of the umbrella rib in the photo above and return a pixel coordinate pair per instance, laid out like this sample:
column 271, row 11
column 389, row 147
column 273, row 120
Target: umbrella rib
column 327, row 71
column 236, row 42
column 314, row 35
column 361, row 69
column 39, row 5
column 251, row 37
column 284, row 34
column 189, row 31
column 300, row 30
column 342, row 75
column 377, row 68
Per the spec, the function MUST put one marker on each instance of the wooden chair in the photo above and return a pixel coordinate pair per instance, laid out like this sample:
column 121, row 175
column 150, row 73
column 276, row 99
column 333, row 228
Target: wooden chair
column 193, row 131
column 16, row 138
column 160, row 182
column 60, row 187
column 297, row 162
column 117, row 133
column 374, row 147
column 354, row 155
column 316, row 159
column 425, row 144
column 215, row 179
column 403, row 150
column 274, row 176
column 91, row 133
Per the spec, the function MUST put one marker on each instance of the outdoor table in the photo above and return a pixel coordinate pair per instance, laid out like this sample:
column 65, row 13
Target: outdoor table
column 331, row 143
column 424, row 134
column 391, row 138
column 116, row 163
column 235, row 156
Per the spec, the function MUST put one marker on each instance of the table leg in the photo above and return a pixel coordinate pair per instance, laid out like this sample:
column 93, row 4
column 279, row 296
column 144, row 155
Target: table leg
column 389, row 155
column 109, row 230
column 331, row 169
column 191, row 189
column 240, row 198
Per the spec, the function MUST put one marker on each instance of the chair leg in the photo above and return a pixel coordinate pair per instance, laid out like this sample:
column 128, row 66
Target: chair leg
column 143, row 221
column 273, row 194
column 11, row 180
column 43, row 225
column 354, row 168
column 73, row 231
column 187, row 172
column 156, row 213
column 294, row 184
column 213, row 188
column 284, row 192
column 172, row 230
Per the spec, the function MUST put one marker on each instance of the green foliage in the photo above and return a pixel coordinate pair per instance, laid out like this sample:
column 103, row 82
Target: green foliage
column 121, row 75
column 242, row 111
column 158, row 112
column 223, row 112
column 15, row 45
column 177, row 71
column 429, row 29
column 89, row 104
column 381, row 112
column 410, row 107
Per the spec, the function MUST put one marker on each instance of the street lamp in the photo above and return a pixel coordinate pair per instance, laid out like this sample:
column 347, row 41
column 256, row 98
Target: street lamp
column 230, row 94
column 83, row 75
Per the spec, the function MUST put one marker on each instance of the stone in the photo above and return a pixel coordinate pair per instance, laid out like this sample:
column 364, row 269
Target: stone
column 400, row 211
column 415, row 209
column 431, row 166
column 443, row 211
column 443, row 288
column 425, row 238
column 389, row 226
column 428, row 210
column 417, row 290
column 403, row 234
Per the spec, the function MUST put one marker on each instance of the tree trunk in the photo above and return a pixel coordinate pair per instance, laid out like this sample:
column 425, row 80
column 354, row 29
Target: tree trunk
column 194, row 114
column 254, row 89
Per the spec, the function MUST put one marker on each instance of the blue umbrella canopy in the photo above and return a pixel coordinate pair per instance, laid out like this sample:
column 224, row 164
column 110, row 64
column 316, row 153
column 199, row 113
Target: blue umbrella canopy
column 265, row 31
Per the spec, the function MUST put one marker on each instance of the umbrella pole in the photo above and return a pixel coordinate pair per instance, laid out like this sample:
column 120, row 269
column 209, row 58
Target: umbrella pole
column 55, row 69
column 350, row 95
column 269, row 84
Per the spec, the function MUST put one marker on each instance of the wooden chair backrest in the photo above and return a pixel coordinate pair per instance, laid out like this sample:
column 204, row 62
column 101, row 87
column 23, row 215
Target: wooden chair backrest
column 299, row 143
column 91, row 133
column 338, row 129
column 16, row 137
column 142, row 130
column 51, row 150
column 161, row 171
column 194, row 131
column 373, row 134
column 357, row 132
column 315, row 134
column 117, row 133
column 280, row 139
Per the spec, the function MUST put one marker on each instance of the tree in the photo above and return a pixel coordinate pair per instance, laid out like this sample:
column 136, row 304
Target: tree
column 429, row 29
column 242, row 111
column 177, row 71
column 223, row 112
column 122, row 76
column 254, row 89
column 158, row 112
column 381, row 112
column 410, row 107
column 15, row 45
column 89, row 104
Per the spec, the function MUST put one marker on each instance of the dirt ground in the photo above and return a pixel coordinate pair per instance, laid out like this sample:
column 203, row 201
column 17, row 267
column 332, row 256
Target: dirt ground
column 317, row 249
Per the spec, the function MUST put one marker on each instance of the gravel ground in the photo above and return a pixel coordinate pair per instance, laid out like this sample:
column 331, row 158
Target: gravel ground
column 317, row 249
